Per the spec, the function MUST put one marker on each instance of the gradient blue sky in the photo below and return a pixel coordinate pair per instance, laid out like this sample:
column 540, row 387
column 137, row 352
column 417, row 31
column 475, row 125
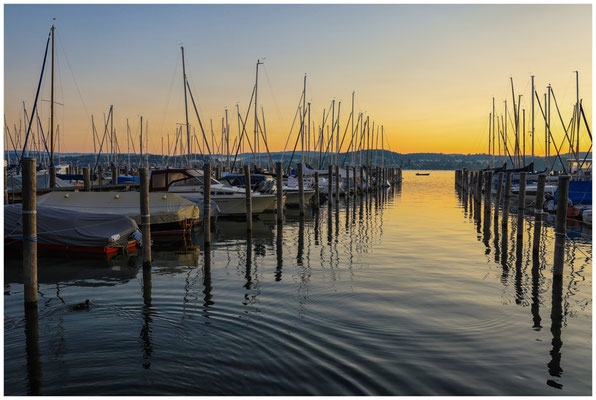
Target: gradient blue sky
column 427, row 72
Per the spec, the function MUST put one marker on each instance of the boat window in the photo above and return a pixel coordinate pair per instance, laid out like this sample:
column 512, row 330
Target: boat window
column 197, row 181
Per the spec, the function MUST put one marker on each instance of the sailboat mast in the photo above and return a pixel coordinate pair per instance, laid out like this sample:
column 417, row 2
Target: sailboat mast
column 141, row 143
column 185, row 105
column 52, row 106
column 256, row 137
column 494, row 131
column 228, row 141
column 352, row 124
column 578, row 114
column 533, row 118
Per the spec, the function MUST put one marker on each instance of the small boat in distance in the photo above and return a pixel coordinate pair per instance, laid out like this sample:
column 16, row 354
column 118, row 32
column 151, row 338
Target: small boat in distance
column 419, row 174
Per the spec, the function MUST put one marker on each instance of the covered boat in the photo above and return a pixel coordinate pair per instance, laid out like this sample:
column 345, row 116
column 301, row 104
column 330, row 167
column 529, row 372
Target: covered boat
column 170, row 214
column 68, row 231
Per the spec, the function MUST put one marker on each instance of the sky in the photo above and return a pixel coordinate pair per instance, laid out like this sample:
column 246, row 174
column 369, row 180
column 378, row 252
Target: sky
column 425, row 73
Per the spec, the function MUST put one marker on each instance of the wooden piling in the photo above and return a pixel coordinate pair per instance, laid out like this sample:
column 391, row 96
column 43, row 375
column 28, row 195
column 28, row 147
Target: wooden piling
column 479, row 186
column 499, row 188
column 317, row 201
column 29, row 216
column 86, row 180
column 539, row 204
column 248, row 198
column 337, row 182
column 561, row 226
column 145, row 215
column 506, row 196
column 207, row 204
column 521, row 205
column 115, row 173
column 361, row 180
column 330, row 185
column 5, row 186
column 280, row 190
column 52, row 177
column 300, row 189
column 347, row 188
column 99, row 175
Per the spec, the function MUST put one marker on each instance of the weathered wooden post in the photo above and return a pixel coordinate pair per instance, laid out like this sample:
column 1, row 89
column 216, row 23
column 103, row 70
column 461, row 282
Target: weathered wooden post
column 52, row 177
column 29, row 216
column 347, row 182
column 280, row 191
column 86, row 179
column 499, row 187
column 361, row 180
column 207, row 204
column 330, row 184
column 337, row 182
column 538, row 213
column 145, row 215
column 487, row 203
column 248, row 198
column 317, row 201
column 479, row 187
column 115, row 173
column 300, row 189
column 99, row 175
column 218, row 173
column 5, row 186
column 506, row 196
column 355, row 188
column 521, row 205
column 561, row 227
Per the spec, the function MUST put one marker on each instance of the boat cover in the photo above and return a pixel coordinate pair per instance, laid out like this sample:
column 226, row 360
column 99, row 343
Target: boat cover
column 42, row 181
column 60, row 227
column 580, row 192
column 163, row 207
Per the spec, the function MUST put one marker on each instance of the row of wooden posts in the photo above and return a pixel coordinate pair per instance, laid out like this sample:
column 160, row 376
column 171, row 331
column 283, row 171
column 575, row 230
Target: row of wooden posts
column 472, row 182
column 29, row 208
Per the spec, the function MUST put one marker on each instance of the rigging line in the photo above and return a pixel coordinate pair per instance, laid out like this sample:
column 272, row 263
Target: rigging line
column 297, row 140
column 351, row 141
column 73, row 76
column 265, row 141
column 550, row 134
column 40, row 127
column 561, row 118
column 243, row 126
column 344, row 136
column 102, row 141
column 292, row 127
column 169, row 95
column 10, row 136
column 199, row 118
column 585, row 122
column 35, row 102
column 275, row 102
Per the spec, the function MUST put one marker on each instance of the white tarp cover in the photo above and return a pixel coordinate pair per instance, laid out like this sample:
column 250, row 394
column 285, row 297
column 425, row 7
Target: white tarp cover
column 59, row 227
column 163, row 207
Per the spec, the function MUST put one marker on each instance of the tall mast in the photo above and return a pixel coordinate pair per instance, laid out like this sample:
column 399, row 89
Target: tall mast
column 524, row 137
column 494, row 131
column 532, row 118
column 185, row 106
column 578, row 114
column 256, row 140
column 141, row 143
column 548, row 122
column 505, row 132
column 352, row 123
column 52, row 106
column 546, row 132
column 489, row 132
column 227, row 141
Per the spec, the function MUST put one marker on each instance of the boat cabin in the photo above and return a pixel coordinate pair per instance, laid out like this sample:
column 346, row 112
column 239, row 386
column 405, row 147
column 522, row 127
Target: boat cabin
column 161, row 179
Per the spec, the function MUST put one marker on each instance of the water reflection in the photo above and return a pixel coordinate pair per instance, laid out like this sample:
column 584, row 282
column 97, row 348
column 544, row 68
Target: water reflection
column 556, row 316
column 279, row 242
column 34, row 366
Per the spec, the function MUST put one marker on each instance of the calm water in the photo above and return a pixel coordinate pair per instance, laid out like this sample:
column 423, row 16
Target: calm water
column 409, row 294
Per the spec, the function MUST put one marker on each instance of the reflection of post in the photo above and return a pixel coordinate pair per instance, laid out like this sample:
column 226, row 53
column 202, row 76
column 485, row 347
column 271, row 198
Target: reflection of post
column 506, row 197
column 279, row 246
column 330, row 185
column 556, row 317
column 561, row 228
column 300, row 189
column 299, row 256
column 208, row 299
column 34, row 367
column 521, row 206
column 317, row 200
column 536, row 292
column 147, row 284
column 280, row 191
column 499, row 189
column 329, row 222
column 248, row 274
column 538, row 214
